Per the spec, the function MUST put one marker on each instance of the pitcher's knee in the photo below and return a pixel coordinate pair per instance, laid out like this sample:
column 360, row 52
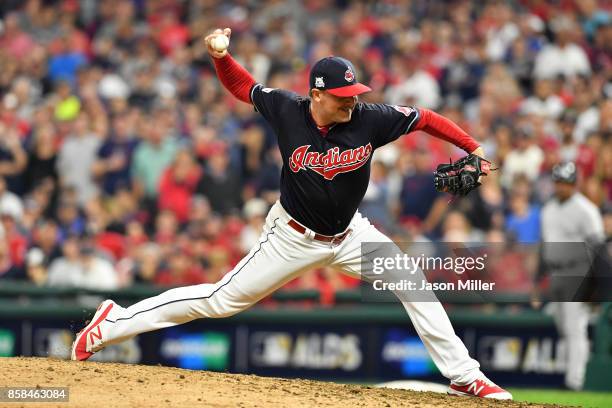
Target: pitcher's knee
column 225, row 308
column 231, row 310
column 222, row 304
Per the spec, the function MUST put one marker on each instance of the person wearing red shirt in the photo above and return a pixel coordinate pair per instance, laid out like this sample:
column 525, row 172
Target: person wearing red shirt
column 178, row 184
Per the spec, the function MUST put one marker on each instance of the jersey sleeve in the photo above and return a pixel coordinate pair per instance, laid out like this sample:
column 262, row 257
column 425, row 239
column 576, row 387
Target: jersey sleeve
column 592, row 224
column 392, row 121
column 272, row 103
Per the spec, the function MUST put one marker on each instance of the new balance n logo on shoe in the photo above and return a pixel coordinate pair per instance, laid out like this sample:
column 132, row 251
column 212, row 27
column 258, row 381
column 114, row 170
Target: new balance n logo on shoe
column 481, row 387
column 473, row 388
column 97, row 334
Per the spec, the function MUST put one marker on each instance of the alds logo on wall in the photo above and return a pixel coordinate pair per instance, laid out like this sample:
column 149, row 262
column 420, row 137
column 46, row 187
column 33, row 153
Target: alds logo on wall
column 330, row 163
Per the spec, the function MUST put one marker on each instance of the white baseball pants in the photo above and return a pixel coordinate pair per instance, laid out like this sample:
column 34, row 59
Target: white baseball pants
column 572, row 321
column 281, row 255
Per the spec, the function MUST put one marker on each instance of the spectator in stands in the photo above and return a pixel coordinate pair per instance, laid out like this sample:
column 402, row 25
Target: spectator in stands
column 36, row 270
column 178, row 184
column 42, row 158
column 121, row 209
column 14, row 40
column 543, row 102
column 602, row 49
column 46, row 237
column 462, row 77
column 39, row 20
column 70, row 219
column 32, row 214
column 97, row 272
column 28, row 97
column 419, row 200
column 200, row 210
column 148, row 263
column 254, row 61
column 152, row 157
column 267, row 181
column 502, row 29
column 13, row 158
column 17, row 243
column 254, row 212
column 168, row 30
column 456, row 228
column 592, row 16
column 143, row 90
column 135, row 235
column 220, row 183
column 81, row 267
column 219, row 263
column 96, row 215
column 375, row 204
column 416, row 86
column 525, row 158
column 523, row 220
column 564, row 56
column 587, row 111
column 112, row 166
column 485, row 207
column 76, row 158
column 568, row 151
column 8, row 269
column 180, row 271
column 166, row 227
column 66, row 269
column 65, row 61
column 593, row 190
column 252, row 144
column 10, row 203
column 508, row 265
column 499, row 96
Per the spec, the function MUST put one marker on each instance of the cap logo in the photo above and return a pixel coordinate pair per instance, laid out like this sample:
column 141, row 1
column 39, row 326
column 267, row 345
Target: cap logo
column 349, row 76
column 319, row 83
column 566, row 170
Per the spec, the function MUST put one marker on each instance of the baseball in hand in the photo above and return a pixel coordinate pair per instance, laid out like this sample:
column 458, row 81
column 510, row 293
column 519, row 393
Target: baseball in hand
column 220, row 43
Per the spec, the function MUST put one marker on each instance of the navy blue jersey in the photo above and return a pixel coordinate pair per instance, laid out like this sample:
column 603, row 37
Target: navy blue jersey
column 324, row 178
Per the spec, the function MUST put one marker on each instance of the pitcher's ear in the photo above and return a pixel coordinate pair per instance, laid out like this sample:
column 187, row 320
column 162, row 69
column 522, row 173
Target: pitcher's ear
column 315, row 93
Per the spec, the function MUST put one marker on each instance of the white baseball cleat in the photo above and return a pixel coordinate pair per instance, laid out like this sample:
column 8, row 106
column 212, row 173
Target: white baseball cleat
column 481, row 387
column 88, row 340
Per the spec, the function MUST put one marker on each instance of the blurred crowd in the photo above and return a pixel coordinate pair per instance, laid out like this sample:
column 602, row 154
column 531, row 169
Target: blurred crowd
column 122, row 159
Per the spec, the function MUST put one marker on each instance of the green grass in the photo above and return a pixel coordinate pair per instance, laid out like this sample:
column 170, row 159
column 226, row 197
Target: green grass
column 579, row 399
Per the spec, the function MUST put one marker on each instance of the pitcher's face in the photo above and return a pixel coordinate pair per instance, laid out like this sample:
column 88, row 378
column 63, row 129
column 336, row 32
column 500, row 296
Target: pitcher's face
column 335, row 109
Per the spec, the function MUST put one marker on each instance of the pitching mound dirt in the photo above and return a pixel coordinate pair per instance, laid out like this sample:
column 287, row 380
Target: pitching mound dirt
column 97, row 385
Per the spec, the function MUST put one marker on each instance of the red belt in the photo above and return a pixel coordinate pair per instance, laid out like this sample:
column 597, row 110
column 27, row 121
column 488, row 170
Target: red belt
column 319, row 237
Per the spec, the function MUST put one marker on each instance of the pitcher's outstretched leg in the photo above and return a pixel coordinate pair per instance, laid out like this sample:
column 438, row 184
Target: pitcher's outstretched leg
column 280, row 256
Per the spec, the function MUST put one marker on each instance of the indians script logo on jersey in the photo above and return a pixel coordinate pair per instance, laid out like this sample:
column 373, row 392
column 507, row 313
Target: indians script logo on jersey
column 330, row 163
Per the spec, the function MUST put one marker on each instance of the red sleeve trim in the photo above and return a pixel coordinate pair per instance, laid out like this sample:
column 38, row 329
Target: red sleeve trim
column 445, row 129
column 234, row 77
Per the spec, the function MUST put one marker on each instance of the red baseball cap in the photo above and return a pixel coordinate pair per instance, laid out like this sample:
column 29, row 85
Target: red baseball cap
column 337, row 76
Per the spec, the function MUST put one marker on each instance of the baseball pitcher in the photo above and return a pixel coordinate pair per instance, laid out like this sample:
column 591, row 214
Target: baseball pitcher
column 326, row 141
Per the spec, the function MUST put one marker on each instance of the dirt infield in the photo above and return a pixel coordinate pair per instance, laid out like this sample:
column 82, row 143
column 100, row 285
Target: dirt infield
column 98, row 385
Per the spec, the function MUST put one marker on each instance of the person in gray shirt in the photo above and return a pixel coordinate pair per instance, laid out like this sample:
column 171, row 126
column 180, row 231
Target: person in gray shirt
column 571, row 227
